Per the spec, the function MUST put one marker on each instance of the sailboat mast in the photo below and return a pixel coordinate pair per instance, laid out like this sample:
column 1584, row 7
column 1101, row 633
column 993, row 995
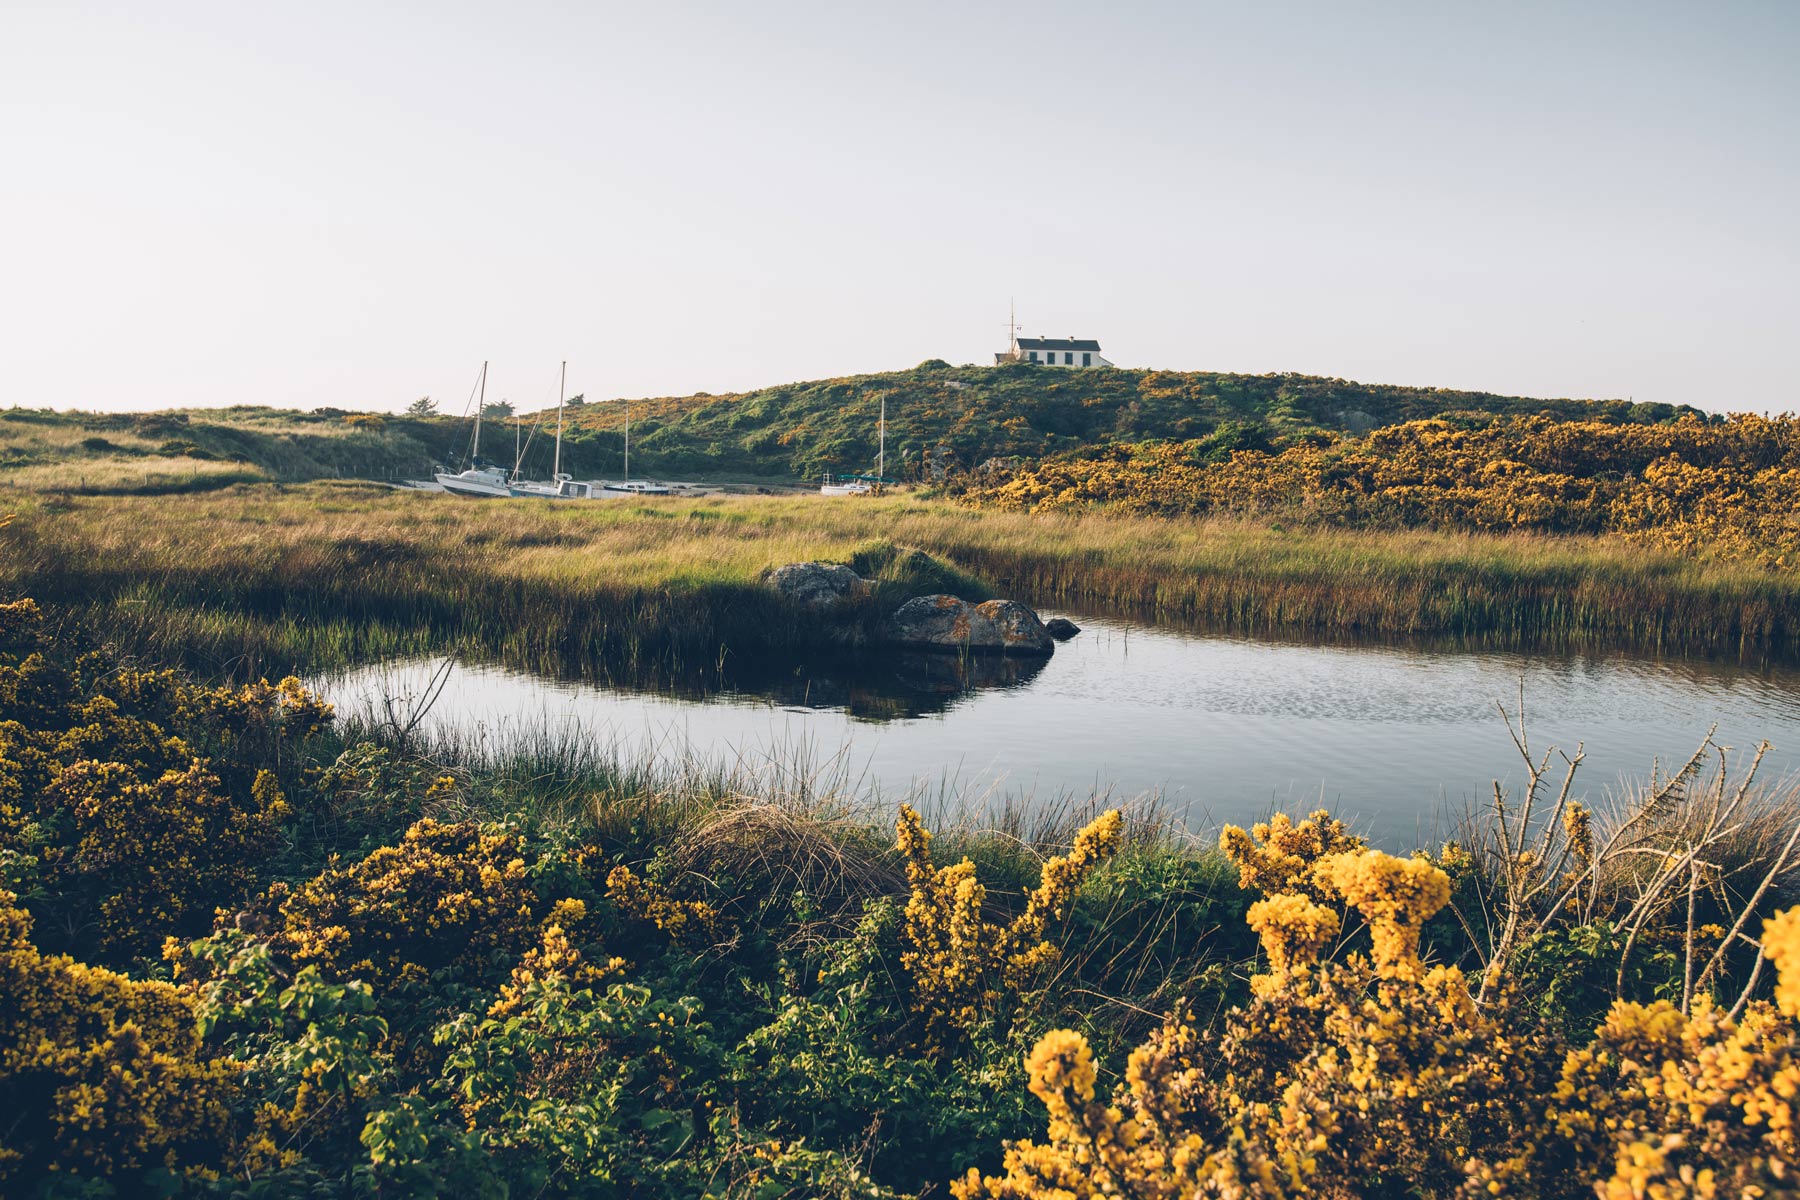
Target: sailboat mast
column 475, row 450
column 881, row 454
column 628, row 440
column 561, row 387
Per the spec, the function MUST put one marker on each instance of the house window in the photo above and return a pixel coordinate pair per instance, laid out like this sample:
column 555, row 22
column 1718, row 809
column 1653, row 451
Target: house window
column 1034, row 356
column 1087, row 359
column 1068, row 358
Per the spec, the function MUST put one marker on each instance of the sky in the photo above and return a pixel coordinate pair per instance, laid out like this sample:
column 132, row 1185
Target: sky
column 354, row 205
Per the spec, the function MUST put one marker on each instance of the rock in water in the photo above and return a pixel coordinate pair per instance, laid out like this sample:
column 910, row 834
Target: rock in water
column 817, row 584
column 1061, row 628
column 949, row 623
column 1020, row 630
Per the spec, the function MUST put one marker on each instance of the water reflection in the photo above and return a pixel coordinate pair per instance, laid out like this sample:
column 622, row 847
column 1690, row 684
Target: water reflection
column 1223, row 728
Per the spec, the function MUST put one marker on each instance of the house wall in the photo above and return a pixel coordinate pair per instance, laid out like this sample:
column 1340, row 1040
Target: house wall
column 1097, row 360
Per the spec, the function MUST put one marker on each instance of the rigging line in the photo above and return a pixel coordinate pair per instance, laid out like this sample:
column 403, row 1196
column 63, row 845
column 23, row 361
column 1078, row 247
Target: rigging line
column 470, row 402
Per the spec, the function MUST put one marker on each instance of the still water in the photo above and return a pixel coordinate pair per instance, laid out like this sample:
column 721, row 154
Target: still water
column 1222, row 729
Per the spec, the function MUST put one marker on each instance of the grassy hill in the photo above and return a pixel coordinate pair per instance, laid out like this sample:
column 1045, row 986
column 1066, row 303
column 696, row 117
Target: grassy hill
column 972, row 414
column 959, row 416
column 200, row 449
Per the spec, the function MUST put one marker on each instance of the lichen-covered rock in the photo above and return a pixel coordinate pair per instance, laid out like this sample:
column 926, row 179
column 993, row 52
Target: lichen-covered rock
column 1020, row 630
column 949, row 623
column 817, row 584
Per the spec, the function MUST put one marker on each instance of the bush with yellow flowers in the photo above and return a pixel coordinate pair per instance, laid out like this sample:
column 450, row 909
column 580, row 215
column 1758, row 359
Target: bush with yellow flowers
column 132, row 802
column 965, row 968
column 1379, row 1075
column 1717, row 486
column 101, row 1074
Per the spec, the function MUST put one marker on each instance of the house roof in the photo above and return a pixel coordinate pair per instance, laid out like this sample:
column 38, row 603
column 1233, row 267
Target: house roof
column 1026, row 343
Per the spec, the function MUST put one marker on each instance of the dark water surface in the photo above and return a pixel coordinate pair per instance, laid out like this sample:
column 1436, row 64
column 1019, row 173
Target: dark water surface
column 1225, row 729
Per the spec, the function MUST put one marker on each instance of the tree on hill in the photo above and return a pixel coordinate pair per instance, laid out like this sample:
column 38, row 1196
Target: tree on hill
column 424, row 406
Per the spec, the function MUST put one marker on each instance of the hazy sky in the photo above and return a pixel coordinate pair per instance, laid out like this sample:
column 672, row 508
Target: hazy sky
column 354, row 204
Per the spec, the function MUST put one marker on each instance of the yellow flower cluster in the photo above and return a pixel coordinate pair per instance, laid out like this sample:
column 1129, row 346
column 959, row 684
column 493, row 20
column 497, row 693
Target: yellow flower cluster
column 1294, row 932
column 1578, row 826
column 1396, row 896
column 106, row 785
column 448, row 897
column 962, row 965
column 100, row 1072
column 167, row 849
column 1723, row 486
column 1383, row 1077
column 554, row 956
column 19, row 616
column 1279, row 857
column 690, row 921
column 1781, row 942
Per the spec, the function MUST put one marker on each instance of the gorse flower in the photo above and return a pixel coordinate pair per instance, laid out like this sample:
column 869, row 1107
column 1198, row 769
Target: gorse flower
column 964, row 968
column 1721, row 487
column 1359, row 1078
column 1280, row 857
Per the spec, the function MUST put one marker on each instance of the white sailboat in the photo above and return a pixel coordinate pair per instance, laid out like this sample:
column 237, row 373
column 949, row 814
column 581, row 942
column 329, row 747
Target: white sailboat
column 561, row 486
column 637, row 487
column 480, row 479
column 862, row 485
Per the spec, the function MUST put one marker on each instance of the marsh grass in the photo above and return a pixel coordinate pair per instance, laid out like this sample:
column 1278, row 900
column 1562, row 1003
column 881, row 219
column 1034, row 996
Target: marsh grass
column 264, row 578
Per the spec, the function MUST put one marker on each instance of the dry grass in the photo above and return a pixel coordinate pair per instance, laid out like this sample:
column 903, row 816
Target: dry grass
column 324, row 572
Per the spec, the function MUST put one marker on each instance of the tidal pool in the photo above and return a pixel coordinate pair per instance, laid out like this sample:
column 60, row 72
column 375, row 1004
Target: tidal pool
column 1220, row 729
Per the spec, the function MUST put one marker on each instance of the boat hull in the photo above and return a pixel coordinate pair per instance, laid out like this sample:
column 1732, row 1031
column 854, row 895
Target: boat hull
column 462, row 485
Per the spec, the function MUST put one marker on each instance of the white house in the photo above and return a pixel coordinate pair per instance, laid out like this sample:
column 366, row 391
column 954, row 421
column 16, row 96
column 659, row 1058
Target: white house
column 1054, row 352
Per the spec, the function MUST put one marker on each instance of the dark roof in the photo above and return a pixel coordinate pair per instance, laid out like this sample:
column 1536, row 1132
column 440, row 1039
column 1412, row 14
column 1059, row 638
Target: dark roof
column 1059, row 344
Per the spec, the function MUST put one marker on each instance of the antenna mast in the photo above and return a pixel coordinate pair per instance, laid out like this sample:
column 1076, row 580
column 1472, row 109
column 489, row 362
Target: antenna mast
column 1012, row 325
column 475, row 450
column 561, row 387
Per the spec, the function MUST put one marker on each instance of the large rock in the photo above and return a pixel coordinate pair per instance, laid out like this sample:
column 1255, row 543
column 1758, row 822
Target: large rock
column 817, row 584
column 1061, row 628
column 949, row 623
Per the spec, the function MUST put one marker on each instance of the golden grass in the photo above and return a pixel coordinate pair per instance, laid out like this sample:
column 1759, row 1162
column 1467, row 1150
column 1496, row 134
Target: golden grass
column 358, row 551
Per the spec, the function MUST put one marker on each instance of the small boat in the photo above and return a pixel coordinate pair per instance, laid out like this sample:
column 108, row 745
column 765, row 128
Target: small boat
column 560, row 486
column 481, row 479
column 846, row 485
column 863, row 485
column 639, row 487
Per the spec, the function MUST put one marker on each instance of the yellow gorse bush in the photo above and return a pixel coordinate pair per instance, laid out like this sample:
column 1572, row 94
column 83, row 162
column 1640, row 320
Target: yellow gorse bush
column 684, row 921
column 963, row 966
column 448, row 897
column 1280, row 857
column 137, row 800
column 1360, row 1077
column 1724, row 487
column 100, row 1072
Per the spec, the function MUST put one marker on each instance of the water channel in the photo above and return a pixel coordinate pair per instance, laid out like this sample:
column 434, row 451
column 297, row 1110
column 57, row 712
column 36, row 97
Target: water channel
column 1216, row 728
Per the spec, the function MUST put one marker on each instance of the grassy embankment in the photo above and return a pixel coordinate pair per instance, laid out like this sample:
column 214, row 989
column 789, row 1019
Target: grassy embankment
column 260, row 578
column 83, row 453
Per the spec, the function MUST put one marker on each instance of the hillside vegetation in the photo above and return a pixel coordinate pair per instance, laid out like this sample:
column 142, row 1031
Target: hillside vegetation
column 1725, row 487
column 202, row 449
column 964, row 416
column 956, row 418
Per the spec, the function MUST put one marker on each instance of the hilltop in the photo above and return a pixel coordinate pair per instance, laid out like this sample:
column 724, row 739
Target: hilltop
column 961, row 417
column 969, row 415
